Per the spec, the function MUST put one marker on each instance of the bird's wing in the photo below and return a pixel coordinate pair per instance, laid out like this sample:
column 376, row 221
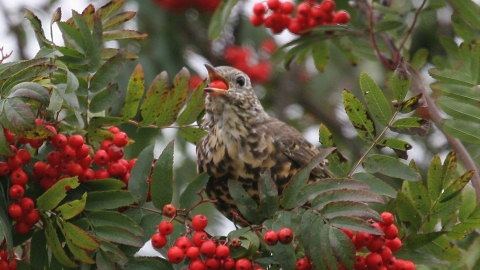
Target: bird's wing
column 295, row 146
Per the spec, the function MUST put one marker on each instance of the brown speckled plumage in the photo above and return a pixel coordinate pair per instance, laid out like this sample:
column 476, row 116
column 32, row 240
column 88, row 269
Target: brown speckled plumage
column 243, row 141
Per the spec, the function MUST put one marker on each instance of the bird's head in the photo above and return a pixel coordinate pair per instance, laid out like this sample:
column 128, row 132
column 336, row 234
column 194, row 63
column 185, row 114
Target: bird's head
column 229, row 89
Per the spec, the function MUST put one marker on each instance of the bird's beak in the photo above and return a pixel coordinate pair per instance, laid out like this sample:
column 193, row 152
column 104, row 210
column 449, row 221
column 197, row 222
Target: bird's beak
column 214, row 76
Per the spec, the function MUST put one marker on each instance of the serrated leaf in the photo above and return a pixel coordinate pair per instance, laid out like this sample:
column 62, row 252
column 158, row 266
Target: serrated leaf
column 245, row 203
column 54, row 195
column 111, row 199
column 452, row 76
column 390, row 166
column 358, row 116
column 386, row 25
column 220, row 18
column 54, row 243
column 348, row 209
column 376, row 101
column 268, row 196
column 103, row 260
column 108, row 9
column 118, row 235
column 135, row 90
column 456, row 186
column 9, row 69
column 108, row 53
column 407, row 212
column 140, row 173
column 173, row 99
column 107, row 72
column 118, row 19
column 115, row 219
column 112, row 249
column 30, row 90
column 104, row 184
column 419, row 196
column 377, row 186
column 416, row 241
column 459, row 109
column 411, row 126
column 321, row 55
column 400, row 147
column 299, row 180
column 419, row 58
column 37, row 28
column 328, row 184
column 467, row 225
column 465, row 131
column 72, row 36
column 413, row 103
column 462, row 28
column 148, row 263
column 355, row 224
column 39, row 244
column 189, row 197
column 77, row 236
column 105, row 98
column 123, row 35
column 151, row 106
column 350, row 195
column 28, row 73
column 195, row 106
column 192, row 134
column 469, row 10
column 342, row 247
column 71, row 209
column 443, row 249
column 312, row 239
column 161, row 187
column 284, row 255
column 337, row 163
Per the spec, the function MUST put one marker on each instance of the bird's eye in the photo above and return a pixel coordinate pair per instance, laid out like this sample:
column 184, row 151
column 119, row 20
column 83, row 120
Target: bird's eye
column 240, row 81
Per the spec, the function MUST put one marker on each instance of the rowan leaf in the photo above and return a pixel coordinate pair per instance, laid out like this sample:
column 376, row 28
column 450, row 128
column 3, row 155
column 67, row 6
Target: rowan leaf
column 104, row 184
column 391, row 167
column 135, row 90
column 359, row 117
column 245, row 203
column 411, row 126
column 140, row 173
column 377, row 103
column 268, row 196
column 77, row 236
column 115, row 219
column 329, row 184
column 407, row 212
column 123, row 35
column 400, row 147
column 416, row 241
column 72, row 36
column 401, row 80
column 71, row 209
column 337, row 163
column 54, row 195
column 192, row 134
column 220, row 18
column 28, row 73
column 30, row 90
column 459, row 110
column 455, row 187
column 452, row 76
column 118, row 235
column 108, row 9
column 37, row 28
column 413, row 103
column 350, row 195
column 118, row 19
column 195, row 106
column 173, row 99
column 355, row 224
column 105, row 98
column 110, row 199
column 161, row 187
column 321, row 55
column 54, row 243
column 189, row 197
column 463, row 130
column 151, row 107
column 349, row 209
column 107, row 72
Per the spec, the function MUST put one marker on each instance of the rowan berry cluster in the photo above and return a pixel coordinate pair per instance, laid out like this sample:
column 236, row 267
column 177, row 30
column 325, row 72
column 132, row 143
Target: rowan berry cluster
column 254, row 64
column 277, row 15
column 380, row 248
column 182, row 5
column 4, row 263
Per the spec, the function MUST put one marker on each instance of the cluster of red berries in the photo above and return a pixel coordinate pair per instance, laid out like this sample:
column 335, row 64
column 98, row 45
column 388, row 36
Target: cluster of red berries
column 309, row 14
column 182, row 5
column 255, row 65
column 381, row 248
column 4, row 263
column 72, row 157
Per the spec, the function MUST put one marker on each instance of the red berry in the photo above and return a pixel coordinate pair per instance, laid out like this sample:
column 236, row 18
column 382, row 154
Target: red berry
column 54, row 157
column 131, row 163
column 4, row 168
column 114, row 129
column 101, row 158
column 165, row 227
column 83, row 151
column 391, row 232
column 4, row 265
column 68, row 153
column 16, row 192
column 59, row 141
column 196, row 265
column 115, row 152
column 51, row 171
column 87, row 175
column 259, row 9
column 22, row 227
column 390, row 264
column 218, row 85
column 169, row 210
column 303, row 10
column 32, row 217
column 243, row 264
column 116, row 168
column 15, row 211
column 359, row 263
column 85, row 162
column 409, row 265
column 76, row 140
column 14, row 162
column 192, row 253
column 394, row 244
column 52, row 129
column 222, row 252
column 373, row 260
column 183, row 243
column 285, row 236
column 38, row 169
column 271, row 238
column 376, row 243
column 400, row 264
column 256, row 20
column 302, row 264
column 208, row 248
column 102, row 174
column 362, row 239
column 199, row 237
column 273, row 4
column 106, row 144
column 229, row 263
column 294, row 27
column 287, row 7
column 120, row 139
column 24, row 156
column 158, row 240
column 212, row 263
column 27, row 204
column 75, row 169
column 9, row 136
column 175, row 255
column 387, row 218
column 19, row 177
column 199, row 222
column 328, row 5
column 386, row 253
column 341, row 17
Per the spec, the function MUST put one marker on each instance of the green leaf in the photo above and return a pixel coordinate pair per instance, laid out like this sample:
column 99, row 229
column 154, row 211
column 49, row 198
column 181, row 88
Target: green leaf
column 5, row 224
column 192, row 134
column 348, row 209
column 417, row 101
column 94, row 50
column 469, row 10
column 411, row 126
column 71, row 209
column 400, row 147
column 407, row 212
column 118, row 235
column 173, row 99
column 419, row 58
column 443, row 249
column 459, row 109
column 419, row 196
column 9, row 69
column 450, row 46
column 245, row 203
column 135, row 89
column 99, row 200
column 37, row 28
column 268, row 196
column 456, row 186
column 107, row 72
column 17, row 116
column 452, row 76
column 140, row 173
column 54, row 243
column 123, row 35
column 358, row 116
column 386, row 25
column 416, row 241
column 30, row 90
column 77, row 236
column 161, row 188
column 105, row 98
column 195, row 106
column 72, row 36
column 108, row 53
column 341, row 246
column 115, row 219
column 103, row 260
column 466, row 226
column 39, row 246
column 113, row 250
column 54, row 195
column 298, row 181
column 345, row 48
column 401, row 80
column 376, row 101
column 220, row 18
column 118, row 19
column 462, row 28
column 328, row 184
column 355, row 224
column 148, row 263
column 104, row 184
column 313, row 238
column 189, row 197
column 28, row 73
column 284, row 255
column 151, row 106
column 465, row 131
column 350, row 195
column 391, row 167
column 337, row 162
column 321, row 55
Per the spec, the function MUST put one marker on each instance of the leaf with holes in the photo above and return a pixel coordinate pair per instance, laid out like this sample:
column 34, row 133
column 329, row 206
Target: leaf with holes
column 359, row 117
